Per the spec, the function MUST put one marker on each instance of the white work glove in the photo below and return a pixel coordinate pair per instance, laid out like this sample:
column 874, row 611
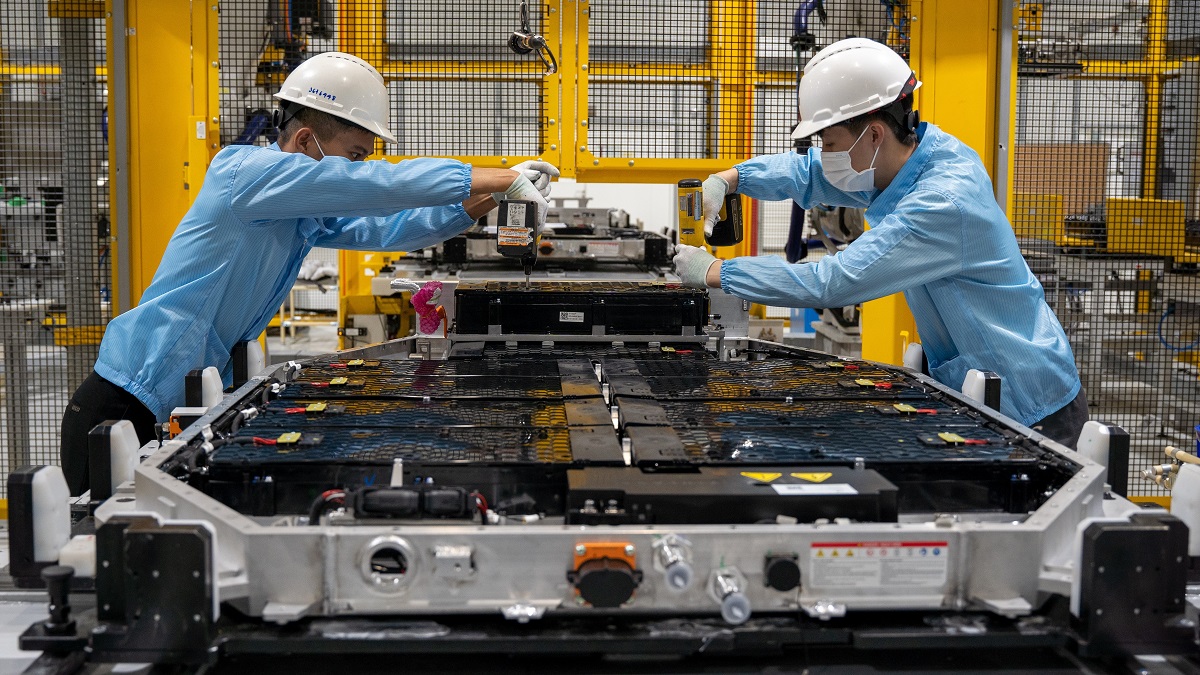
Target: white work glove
column 414, row 287
column 715, row 189
column 523, row 189
column 691, row 264
column 539, row 173
column 312, row 269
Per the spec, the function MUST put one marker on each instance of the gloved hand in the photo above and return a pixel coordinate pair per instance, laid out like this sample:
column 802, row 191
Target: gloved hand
column 523, row 189
column 538, row 173
column 432, row 298
column 312, row 269
column 715, row 189
column 427, row 303
column 691, row 264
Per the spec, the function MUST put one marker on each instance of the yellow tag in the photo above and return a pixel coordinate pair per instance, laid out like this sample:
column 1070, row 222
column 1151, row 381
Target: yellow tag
column 668, row 349
column 761, row 477
column 288, row 438
column 951, row 438
column 315, row 407
column 865, row 382
column 904, row 408
column 355, row 362
column 836, row 364
column 338, row 380
column 814, row 477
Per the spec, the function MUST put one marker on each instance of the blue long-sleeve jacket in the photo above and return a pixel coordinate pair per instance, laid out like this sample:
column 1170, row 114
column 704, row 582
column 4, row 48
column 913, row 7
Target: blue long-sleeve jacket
column 938, row 235
column 236, row 253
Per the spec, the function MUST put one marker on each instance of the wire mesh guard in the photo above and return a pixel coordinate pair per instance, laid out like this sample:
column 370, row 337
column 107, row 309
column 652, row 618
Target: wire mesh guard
column 456, row 87
column 54, row 221
column 836, row 444
column 1106, row 202
column 728, row 420
column 305, row 413
column 382, row 446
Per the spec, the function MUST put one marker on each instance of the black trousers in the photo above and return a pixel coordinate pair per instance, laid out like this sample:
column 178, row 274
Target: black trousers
column 98, row 400
column 1064, row 426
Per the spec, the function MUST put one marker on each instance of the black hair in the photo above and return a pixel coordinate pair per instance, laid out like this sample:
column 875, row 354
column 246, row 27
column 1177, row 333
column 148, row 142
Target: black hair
column 856, row 125
column 898, row 116
column 294, row 117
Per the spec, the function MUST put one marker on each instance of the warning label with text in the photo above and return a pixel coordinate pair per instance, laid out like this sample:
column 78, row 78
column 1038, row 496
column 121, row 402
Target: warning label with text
column 866, row 564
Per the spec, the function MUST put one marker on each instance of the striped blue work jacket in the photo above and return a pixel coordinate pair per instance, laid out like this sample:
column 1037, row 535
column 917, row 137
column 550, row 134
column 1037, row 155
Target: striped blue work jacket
column 235, row 255
column 938, row 235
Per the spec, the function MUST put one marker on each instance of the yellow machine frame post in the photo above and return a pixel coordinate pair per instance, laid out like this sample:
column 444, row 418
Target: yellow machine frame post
column 167, row 167
column 955, row 53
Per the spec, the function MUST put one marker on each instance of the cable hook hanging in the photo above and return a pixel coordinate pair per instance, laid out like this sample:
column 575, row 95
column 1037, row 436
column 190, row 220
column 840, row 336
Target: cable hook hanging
column 525, row 41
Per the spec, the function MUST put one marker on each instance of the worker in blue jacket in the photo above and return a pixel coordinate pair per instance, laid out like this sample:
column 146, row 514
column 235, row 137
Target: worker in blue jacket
column 236, row 254
column 936, row 233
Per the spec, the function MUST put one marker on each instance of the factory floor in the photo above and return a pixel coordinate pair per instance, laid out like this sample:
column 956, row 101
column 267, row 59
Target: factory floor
column 308, row 341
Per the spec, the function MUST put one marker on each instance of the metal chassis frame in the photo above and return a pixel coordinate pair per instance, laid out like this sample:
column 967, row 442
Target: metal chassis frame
column 287, row 573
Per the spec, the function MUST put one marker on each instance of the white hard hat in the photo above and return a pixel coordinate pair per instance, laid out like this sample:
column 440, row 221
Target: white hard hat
column 849, row 78
column 344, row 86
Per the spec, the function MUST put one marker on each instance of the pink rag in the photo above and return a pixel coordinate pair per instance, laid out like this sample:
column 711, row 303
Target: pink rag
column 428, row 314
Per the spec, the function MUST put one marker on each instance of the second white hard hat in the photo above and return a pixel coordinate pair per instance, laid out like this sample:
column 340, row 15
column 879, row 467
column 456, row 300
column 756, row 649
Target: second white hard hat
column 849, row 78
column 344, row 86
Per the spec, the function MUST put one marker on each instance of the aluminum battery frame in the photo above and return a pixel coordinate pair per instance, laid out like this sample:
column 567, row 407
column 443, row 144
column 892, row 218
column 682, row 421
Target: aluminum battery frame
column 287, row 573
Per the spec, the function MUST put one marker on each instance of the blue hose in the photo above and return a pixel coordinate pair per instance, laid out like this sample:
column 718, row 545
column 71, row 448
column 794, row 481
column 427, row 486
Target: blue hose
column 1163, row 339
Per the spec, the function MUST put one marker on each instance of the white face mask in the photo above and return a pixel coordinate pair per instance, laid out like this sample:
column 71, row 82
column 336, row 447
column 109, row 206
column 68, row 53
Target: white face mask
column 841, row 175
column 319, row 148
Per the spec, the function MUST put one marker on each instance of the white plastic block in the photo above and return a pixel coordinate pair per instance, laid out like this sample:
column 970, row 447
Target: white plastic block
column 1185, row 503
column 51, row 513
column 256, row 358
column 211, row 387
column 974, row 385
column 914, row 356
column 80, row 553
column 124, row 445
column 1093, row 442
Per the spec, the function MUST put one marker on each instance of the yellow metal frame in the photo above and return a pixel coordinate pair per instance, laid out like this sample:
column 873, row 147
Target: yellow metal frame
column 953, row 47
column 167, row 161
column 955, row 51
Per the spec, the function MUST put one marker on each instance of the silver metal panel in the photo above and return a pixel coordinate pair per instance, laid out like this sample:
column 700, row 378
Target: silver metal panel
column 274, row 569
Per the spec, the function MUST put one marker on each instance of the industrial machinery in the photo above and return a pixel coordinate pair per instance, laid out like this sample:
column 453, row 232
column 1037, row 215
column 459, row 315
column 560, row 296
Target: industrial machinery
column 579, row 242
column 581, row 467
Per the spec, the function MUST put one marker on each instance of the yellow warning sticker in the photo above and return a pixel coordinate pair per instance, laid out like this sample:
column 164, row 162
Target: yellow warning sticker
column 338, row 380
column 951, row 437
column 316, row 407
column 904, row 408
column 355, row 362
column 820, row 477
column 762, row 477
column 288, row 438
column 865, row 382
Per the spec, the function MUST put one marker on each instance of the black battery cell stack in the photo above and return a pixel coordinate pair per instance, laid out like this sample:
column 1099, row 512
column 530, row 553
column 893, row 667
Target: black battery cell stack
column 625, row 431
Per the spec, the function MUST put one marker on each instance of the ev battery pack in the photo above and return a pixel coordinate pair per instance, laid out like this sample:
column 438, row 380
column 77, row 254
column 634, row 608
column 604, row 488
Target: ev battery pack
column 580, row 308
column 604, row 495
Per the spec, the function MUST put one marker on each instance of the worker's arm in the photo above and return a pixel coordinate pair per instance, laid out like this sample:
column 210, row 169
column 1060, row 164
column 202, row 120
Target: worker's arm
column 269, row 186
column 417, row 228
column 405, row 231
column 790, row 175
column 918, row 243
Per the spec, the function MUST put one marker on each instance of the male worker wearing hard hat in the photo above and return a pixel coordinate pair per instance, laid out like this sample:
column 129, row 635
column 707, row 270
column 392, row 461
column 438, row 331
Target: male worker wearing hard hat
column 936, row 233
column 235, row 255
